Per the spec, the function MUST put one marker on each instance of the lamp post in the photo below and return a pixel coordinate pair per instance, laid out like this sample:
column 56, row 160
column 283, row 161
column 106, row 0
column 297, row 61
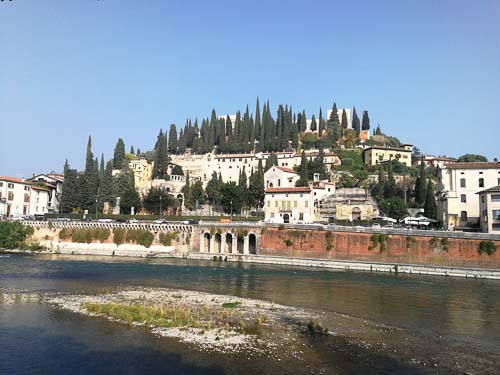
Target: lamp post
column 96, row 206
column 231, row 213
column 161, row 213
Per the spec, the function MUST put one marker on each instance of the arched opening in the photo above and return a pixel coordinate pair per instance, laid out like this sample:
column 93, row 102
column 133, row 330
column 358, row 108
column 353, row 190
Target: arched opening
column 463, row 216
column 206, row 242
column 218, row 243
column 240, row 245
column 286, row 218
column 252, row 243
column 229, row 243
column 356, row 214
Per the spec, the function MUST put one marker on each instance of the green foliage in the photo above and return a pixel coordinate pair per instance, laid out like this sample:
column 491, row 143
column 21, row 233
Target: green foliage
column 329, row 240
column 146, row 238
column 231, row 305
column 139, row 236
column 444, row 244
column 12, row 234
column 119, row 236
column 119, row 154
column 82, row 235
column 378, row 240
column 29, row 230
column 487, row 247
column 155, row 198
column 410, row 241
column 471, row 158
column 167, row 238
column 395, row 208
column 288, row 242
column 65, row 233
column 430, row 207
column 177, row 170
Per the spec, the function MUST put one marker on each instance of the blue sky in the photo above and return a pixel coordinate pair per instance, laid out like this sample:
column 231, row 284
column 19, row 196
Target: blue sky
column 427, row 71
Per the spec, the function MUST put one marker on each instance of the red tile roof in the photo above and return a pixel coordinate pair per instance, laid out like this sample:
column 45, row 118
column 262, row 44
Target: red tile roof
column 288, row 190
column 288, row 170
column 14, row 179
column 35, row 187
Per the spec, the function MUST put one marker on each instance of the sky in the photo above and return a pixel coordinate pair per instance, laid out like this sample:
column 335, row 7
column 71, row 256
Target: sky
column 427, row 71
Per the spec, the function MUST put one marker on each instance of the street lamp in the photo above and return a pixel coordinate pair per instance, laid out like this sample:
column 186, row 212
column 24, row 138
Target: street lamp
column 161, row 213
column 231, row 213
column 96, row 206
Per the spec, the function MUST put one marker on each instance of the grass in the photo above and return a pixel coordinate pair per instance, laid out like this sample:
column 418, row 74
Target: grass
column 231, row 305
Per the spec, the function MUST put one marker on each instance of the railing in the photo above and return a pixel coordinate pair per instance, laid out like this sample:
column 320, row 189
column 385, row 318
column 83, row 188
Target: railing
column 368, row 230
column 169, row 227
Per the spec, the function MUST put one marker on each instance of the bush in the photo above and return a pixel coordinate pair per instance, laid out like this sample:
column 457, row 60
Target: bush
column 29, row 230
column 12, row 234
column 83, row 235
column 410, row 241
column 378, row 240
column 166, row 238
column 146, row 238
column 65, row 233
column 487, row 247
column 288, row 243
column 119, row 236
column 133, row 235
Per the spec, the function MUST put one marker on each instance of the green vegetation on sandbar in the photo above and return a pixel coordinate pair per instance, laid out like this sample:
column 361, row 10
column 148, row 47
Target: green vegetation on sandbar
column 231, row 305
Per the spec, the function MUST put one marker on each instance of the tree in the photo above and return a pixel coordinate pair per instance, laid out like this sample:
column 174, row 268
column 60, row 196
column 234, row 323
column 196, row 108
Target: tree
column 345, row 123
column 243, row 186
column 197, row 193
column 430, row 207
column 420, row 185
column 355, row 121
column 271, row 161
column 160, row 157
column 309, row 141
column 390, row 189
column 132, row 151
column 378, row 131
column 231, row 198
column 12, row 234
column 106, row 188
column 360, row 175
column 467, row 158
column 304, row 172
column 155, row 198
column 366, row 121
column 313, row 127
column 69, row 198
column 188, row 197
column 394, row 207
column 256, row 190
column 119, row 154
column 172, row 139
column 213, row 190
column 90, row 183
column 177, row 170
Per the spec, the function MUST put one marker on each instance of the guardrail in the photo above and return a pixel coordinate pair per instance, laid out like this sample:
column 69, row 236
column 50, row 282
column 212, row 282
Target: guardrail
column 368, row 230
column 168, row 227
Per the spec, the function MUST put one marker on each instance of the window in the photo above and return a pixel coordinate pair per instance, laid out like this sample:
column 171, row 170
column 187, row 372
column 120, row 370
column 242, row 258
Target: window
column 301, row 216
column 495, row 227
column 307, row 204
column 26, row 188
column 463, row 216
column 462, row 182
column 10, row 186
column 481, row 182
column 295, row 204
column 25, row 210
column 496, row 214
column 10, row 196
column 289, row 205
column 26, row 198
column 482, row 198
column 268, row 204
column 463, row 198
column 1, row 184
column 279, row 182
column 495, row 198
column 276, row 204
column 498, row 182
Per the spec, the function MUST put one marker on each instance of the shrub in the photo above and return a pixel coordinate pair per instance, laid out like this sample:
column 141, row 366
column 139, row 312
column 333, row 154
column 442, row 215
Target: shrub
column 12, row 234
column 83, row 235
column 29, row 230
column 119, row 236
column 166, row 238
column 444, row 244
column 281, row 227
column 288, row 243
column 65, row 233
column 329, row 240
column 50, row 225
column 146, row 238
column 487, row 247
column 378, row 240
column 410, row 241
column 133, row 235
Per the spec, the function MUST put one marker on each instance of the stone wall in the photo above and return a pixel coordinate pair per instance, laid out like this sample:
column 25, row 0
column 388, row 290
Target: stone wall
column 328, row 244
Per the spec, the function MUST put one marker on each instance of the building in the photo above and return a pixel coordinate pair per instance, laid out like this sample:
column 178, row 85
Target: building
column 489, row 208
column 433, row 161
column 280, row 177
column 459, row 183
column 143, row 172
column 346, row 204
column 231, row 165
column 375, row 155
column 54, row 183
column 20, row 197
column 288, row 205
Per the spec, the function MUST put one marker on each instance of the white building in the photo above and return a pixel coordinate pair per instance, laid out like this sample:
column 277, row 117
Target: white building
column 280, row 177
column 433, row 161
column 288, row 205
column 20, row 197
column 489, row 208
column 54, row 183
column 459, row 183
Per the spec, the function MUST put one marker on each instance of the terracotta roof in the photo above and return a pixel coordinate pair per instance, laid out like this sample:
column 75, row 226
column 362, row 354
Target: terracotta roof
column 387, row 148
column 35, row 187
column 288, row 190
column 288, row 170
column 474, row 165
column 14, row 179
column 495, row 189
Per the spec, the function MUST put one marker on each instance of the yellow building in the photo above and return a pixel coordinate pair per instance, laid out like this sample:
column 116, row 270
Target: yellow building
column 374, row 155
column 143, row 172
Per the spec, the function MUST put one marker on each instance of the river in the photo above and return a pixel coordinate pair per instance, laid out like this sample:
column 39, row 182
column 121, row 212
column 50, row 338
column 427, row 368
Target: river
column 441, row 325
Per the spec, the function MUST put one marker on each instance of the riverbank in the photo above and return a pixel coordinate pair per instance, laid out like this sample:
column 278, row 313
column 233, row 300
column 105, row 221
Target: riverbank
column 351, row 265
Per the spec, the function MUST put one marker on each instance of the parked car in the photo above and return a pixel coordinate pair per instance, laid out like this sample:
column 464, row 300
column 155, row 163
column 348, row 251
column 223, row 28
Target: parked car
column 160, row 221
column 62, row 219
column 375, row 225
column 104, row 220
column 132, row 221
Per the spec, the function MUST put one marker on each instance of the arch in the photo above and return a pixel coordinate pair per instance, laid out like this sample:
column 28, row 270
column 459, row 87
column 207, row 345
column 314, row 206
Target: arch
column 286, row 218
column 240, row 245
column 218, row 243
column 356, row 213
column 206, row 242
column 252, row 243
column 229, row 243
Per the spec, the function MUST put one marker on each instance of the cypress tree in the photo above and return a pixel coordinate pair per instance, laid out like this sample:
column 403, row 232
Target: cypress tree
column 106, row 190
column 420, row 185
column 138, row 154
column 321, row 126
column 270, row 161
column 366, row 121
column 313, row 127
column 430, row 207
column 303, row 122
column 160, row 156
column 69, row 198
column 119, row 154
column 172, row 139
column 304, row 171
column 345, row 123
column 258, row 129
column 243, row 188
column 90, row 183
column 334, row 116
column 132, row 151
column 188, row 197
column 355, row 121
column 390, row 189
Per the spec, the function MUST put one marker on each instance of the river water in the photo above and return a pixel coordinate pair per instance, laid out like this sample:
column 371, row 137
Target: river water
column 438, row 325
